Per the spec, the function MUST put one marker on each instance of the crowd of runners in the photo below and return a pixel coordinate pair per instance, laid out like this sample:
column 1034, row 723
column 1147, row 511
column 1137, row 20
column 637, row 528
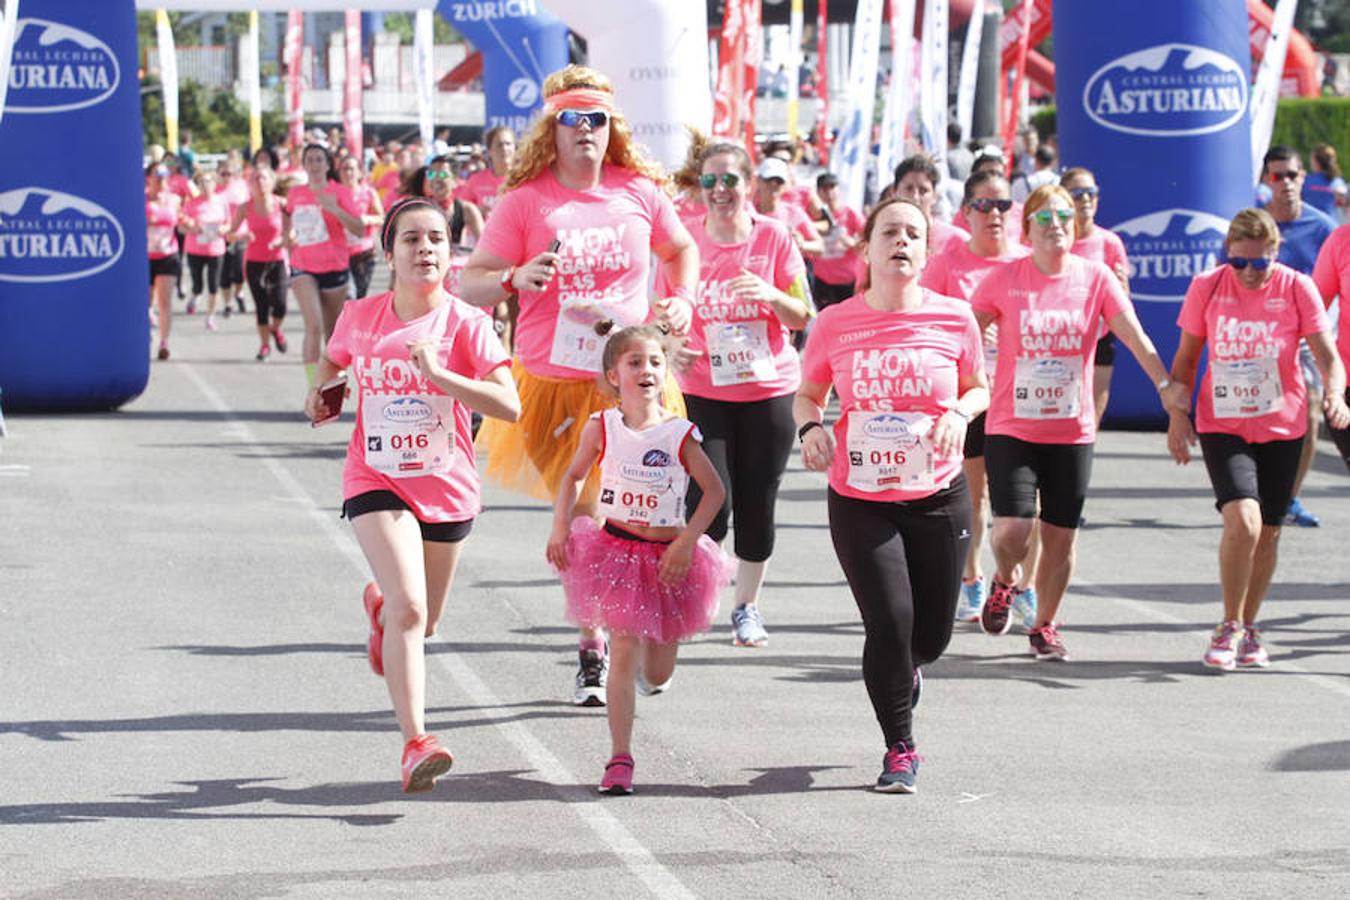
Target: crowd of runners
column 645, row 350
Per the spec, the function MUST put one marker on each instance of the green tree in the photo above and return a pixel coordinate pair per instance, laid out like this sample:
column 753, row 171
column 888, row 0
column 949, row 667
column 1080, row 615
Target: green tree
column 401, row 24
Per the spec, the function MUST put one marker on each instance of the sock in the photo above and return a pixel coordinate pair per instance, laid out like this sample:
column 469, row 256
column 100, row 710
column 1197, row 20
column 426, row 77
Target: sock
column 596, row 644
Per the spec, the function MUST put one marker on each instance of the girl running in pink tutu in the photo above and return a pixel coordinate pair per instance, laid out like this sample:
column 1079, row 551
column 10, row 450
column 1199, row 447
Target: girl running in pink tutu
column 643, row 573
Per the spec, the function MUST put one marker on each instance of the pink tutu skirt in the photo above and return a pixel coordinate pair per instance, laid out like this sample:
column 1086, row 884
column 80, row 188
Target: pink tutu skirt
column 612, row 583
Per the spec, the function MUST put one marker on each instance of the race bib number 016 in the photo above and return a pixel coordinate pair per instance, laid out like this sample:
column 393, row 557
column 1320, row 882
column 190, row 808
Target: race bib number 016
column 575, row 343
column 309, row 226
column 1246, row 388
column 889, row 451
column 739, row 352
column 408, row 436
column 1048, row 388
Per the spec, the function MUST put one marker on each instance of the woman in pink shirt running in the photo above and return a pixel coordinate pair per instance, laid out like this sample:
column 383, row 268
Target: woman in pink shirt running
column 421, row 360
column 203, row 223
column 739, row 368
column 1049, row 307
column 1331, row 274
column 263, row 220
column 359, row 198
column 907, row 367
column 582, row 219
column 1251, row 415
column 162, row 209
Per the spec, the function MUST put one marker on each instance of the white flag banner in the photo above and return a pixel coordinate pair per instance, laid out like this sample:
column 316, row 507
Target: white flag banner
column 425, row 77
column 895, row 115
column 1266, row 89
column 933, row 79
column 794, row 64
column 250, row 76
column 848, row 159
column 9, row 14
column 970, row 71
column 168, row 78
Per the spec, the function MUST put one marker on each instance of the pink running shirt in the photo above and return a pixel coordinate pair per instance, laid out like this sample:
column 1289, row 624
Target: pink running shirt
column 370, row 341
column 1332, row 276
column 957, row 272
column 264, row 230
column 213, row 215
column 895, row 373
column 321, row 243
column 754, row 353
column 357, row 201
column 837, row 265
column 606, row 236
column 794, row 217
column 480, row 189
column 1253, row 386
column 1047, row 341
column 161, row 220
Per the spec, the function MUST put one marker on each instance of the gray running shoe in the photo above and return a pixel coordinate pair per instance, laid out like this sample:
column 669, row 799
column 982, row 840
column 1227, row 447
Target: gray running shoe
column 748, row 625
column 592, row 676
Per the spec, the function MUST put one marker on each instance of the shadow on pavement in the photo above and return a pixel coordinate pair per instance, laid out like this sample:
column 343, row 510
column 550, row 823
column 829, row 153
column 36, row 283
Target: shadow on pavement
column 1332, row 756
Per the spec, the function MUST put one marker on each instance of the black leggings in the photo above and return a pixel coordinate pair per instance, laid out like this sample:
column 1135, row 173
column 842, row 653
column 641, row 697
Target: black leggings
column 211, row 265
column 903, row 562
column 362, row 267
column 267, row 283
column 748, row 444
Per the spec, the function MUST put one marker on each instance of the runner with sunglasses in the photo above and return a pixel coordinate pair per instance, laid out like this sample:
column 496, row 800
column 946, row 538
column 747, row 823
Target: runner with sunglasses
column 578, row 179
column 1251, row 417
column 1038, row 440
column 1102, row 245
column 436, row 181
column 739, row 370
column 957, row 272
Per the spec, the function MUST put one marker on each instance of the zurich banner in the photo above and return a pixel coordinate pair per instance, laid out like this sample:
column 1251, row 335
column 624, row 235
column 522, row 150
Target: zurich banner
column 74, row 281
column 1152, row 96
column 521, row 42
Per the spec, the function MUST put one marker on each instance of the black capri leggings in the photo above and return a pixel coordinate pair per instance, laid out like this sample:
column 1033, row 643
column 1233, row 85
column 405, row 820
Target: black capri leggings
column 903, row 563
column 362, row 267
column 1341, row 436
column 208, row 264
column 267, row 284
column 748, row 444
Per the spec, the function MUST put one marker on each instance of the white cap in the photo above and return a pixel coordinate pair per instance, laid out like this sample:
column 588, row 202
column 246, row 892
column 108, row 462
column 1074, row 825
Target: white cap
column 772, row 167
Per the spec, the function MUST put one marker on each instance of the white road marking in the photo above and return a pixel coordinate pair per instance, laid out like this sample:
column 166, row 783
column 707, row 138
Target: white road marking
column 15, row 470
column 611, row 832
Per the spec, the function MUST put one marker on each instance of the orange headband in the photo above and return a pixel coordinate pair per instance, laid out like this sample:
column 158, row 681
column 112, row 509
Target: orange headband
column 580, row 98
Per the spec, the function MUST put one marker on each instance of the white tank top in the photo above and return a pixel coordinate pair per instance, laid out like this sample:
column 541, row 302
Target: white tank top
column 642, row 480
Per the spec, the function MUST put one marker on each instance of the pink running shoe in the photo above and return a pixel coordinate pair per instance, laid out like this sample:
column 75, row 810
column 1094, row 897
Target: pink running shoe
column 1251, row 652
column 1222, row 652
column 995, row 617
column 424, row 760
column 374, row 603
column 1047, row 644
column 618, row 775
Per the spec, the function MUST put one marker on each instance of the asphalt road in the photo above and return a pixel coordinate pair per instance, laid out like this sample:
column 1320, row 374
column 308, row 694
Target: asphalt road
column 186, row 710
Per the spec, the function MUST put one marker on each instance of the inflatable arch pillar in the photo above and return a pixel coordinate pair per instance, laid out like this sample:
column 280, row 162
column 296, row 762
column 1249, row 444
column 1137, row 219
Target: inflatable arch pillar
column 1172, row 174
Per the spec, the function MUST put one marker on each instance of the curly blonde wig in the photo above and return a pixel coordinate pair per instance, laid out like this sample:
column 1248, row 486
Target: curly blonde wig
column 538, row 150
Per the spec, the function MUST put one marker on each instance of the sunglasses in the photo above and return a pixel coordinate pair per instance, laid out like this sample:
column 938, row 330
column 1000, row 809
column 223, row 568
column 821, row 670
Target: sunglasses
column 1284, row 176
column 571, row 118
column 987, row 205
column 435, row 174
column 1079, row 193
column 709, row 181
column 1259, row 263
column 1044, row 217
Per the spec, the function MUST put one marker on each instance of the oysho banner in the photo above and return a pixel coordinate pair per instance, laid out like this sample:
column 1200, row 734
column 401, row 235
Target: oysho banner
column 1152, row 96
column 74, row 330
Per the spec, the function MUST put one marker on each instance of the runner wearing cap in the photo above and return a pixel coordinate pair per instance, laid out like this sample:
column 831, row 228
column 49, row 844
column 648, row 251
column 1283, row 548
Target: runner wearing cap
column 771, row 179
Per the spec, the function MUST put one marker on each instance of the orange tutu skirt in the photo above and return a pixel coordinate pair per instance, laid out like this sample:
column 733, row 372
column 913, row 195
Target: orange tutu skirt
column 531, row 455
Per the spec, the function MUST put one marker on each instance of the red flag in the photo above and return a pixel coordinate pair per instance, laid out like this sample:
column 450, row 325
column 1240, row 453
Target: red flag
column 1020, row 75
column 292, row 57
column 739, row 54
column 352, row 121
column 822, row 83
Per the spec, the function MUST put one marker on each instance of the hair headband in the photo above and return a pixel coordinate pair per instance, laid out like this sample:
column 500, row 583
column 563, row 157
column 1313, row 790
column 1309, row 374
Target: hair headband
column 391, row 217
column 580, row 98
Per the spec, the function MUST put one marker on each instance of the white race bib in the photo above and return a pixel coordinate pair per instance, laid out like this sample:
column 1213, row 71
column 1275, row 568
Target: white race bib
column 309, row 226
column 208, row 232
column 161, row 239
column 1246, row 388
column 739, row 352
column 408, row 436
column 354, row 240
column 889, row 451
column 575, row 343
column 1048, row 388
column 643, row 495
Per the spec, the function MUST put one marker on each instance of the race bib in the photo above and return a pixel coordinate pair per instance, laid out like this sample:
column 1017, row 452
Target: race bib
column 645, row 494
column 1048, row 388
column 208, row 232
column 738, row 352
column 354, row 240
column 1246, row 388
column 309, row 226
column 889, row 451
column 161, row 239
column 408, row 436
column 575, row 343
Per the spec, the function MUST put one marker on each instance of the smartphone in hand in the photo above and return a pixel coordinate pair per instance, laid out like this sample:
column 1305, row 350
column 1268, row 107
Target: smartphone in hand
column 555, row 246
column 331, row 394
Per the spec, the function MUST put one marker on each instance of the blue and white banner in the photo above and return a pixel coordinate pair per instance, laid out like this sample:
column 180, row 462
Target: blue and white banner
column 1152, row 97
column 425, row 78
column 73, row 269
column 933, row 79
column 852, row 149
column 895, row 115
column 970, row 70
